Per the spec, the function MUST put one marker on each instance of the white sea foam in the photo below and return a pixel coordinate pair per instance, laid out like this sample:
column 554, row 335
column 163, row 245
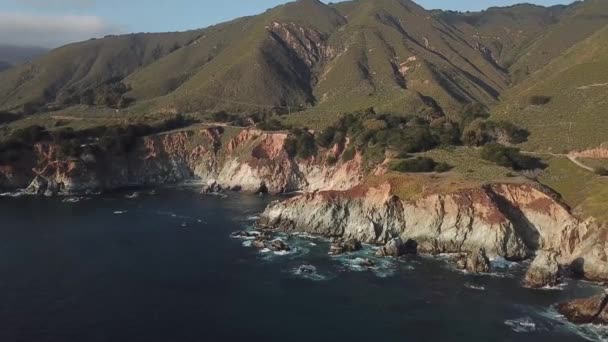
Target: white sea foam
column 474, row 287
column 13, row 194
column 132, row 195
column 521, row 325
column 247, row 243
column 120, row 212
column 74, row 199
column 265, row 250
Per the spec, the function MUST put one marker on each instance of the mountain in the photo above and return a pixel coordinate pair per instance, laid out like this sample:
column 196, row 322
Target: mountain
column 310, row 59
column 12, row 55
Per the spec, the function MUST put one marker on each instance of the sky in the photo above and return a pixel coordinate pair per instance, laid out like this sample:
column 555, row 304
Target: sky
column 51, row 23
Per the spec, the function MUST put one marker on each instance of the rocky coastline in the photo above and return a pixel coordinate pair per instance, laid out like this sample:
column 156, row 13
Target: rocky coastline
column 511, row 221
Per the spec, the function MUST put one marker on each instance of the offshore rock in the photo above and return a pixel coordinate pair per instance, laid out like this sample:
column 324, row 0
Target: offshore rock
column 544, row 271
column 586, row 311
column 478, row 262
column 342, row 247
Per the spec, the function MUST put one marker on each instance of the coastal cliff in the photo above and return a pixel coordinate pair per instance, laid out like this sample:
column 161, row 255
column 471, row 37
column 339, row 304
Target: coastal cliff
column 513, row 221
column 249, row 160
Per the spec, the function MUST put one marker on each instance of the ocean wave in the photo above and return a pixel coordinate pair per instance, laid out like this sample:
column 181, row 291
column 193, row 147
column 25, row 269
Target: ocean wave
column 521, row 325
column 120, row 212
column 13, row 194
column 364, row 261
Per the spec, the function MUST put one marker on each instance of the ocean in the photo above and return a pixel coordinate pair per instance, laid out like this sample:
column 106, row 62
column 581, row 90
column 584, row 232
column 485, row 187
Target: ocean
column 161, row 265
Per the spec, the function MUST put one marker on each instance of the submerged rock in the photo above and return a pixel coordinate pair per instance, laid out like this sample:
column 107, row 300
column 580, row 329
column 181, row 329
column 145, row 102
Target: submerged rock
column 367, row 263
column 278, row 246
column 211, row 188
column 306, row 269
column 342, row 247
column 586, row 311
column 396, row 248
column 544, row 271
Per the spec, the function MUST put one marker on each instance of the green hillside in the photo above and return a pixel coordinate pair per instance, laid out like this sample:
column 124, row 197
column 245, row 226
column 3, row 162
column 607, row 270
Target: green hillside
column 576, row 88
column 314, row 61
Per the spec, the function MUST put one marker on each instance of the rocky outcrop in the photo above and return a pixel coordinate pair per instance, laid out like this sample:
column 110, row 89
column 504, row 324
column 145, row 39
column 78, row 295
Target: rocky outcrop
column 347, row 246
column 586, row 311
column 250, row 160
column 478, row 262
column 474, row 262
column 544, row 271
column 505, row 220
column 396, row 248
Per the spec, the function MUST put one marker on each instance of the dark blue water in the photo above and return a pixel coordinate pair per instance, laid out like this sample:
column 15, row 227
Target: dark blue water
column 163, row 268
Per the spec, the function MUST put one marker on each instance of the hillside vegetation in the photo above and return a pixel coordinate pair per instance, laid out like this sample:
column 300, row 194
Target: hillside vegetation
column 543, row 68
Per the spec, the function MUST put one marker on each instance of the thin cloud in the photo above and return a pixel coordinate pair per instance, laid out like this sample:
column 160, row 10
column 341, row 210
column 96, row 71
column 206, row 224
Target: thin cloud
column 51, row 30
column 56, row 4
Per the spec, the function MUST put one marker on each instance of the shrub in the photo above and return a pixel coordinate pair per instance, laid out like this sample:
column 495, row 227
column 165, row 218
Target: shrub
column 481, row 132
column 472, row 111
column 221, row 116
column 601, row 171
column 30, row 135
column 305, row 145
column 418, row 164
column 272, row 125
column 326, row 138
column 539, row 100
column 349, row 154
column 509, row 157
column 442, row 167
column 331, row 160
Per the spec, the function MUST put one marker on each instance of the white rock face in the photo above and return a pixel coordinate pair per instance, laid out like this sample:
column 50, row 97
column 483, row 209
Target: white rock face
column 544, row 271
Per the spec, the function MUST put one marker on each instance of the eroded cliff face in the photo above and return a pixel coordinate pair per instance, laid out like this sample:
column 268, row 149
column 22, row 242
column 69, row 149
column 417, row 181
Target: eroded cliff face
column 513, row 221
column 249, row 160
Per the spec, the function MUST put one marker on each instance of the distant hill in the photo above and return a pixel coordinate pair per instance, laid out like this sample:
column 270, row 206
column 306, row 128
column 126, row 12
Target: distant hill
column 12, row 55
column 313, row 61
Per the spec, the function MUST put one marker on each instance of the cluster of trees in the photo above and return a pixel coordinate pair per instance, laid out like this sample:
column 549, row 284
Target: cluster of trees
column 115, row 140
column 510, row 157
column 301, row 143
column 397, row 133
column 420, row 164
column 478, row 130
column 111, row 93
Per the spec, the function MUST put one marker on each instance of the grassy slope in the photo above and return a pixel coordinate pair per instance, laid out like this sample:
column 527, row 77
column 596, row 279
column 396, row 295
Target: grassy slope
column 85, row 64
column 582, row 190
column 575, row 24
column 577, row 81
column 378, row 38
column 506, row 31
